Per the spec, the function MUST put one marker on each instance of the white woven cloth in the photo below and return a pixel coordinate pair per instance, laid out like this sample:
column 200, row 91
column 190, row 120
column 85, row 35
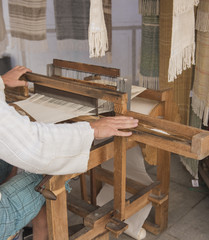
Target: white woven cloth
column 183, row 38
column 98, row 40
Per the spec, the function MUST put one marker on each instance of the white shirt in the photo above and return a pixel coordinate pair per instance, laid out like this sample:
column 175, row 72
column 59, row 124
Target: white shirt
column 54, row 149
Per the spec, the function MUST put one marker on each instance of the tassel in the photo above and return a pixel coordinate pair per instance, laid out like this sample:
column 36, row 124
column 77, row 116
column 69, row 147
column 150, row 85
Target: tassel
column 98, row 40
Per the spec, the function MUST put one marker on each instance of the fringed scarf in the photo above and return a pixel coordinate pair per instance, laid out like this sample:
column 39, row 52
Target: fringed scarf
column 98, row 40
column 72, row 21
column 28, row 24
column 183, row 38
column 3, row 34
column 149, row 7
column 149, row 63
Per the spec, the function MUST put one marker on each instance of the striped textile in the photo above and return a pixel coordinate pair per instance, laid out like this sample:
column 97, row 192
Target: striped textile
column 3, row 34
column 202, row 20
column 72, row 19
column 107, row 8
column 149, row 63
column 28, row 20
column 19, row 203
column 149, row 7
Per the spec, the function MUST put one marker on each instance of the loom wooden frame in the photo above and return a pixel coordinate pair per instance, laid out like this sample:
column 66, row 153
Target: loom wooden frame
column 98, row 221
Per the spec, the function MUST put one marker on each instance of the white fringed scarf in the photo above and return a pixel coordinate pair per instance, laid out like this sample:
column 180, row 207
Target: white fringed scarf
column 183, row 37
column 98, row 40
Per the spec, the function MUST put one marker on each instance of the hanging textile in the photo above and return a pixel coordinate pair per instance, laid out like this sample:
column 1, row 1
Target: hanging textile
column 149, row 7
column 202, row 21
column 200, row 96
column 28, row 24
column 3, row 34
column 98, row 40
column 149, row 62
column 183, row 37
column 107, row 8
column 72, row 21
column 192, row 164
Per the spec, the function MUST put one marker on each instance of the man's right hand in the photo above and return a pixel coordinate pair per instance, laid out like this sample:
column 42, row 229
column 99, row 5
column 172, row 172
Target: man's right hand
column 109, row 126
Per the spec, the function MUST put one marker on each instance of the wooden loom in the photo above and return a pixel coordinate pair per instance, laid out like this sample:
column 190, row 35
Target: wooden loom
column 99, row 221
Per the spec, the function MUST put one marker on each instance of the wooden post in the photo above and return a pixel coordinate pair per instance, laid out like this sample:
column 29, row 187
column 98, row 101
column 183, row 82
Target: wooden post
column 119, row 176
column 163, row 175
column 57, row 211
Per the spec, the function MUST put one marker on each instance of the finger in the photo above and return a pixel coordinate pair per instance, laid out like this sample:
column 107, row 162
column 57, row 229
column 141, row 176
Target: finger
column 123, row 134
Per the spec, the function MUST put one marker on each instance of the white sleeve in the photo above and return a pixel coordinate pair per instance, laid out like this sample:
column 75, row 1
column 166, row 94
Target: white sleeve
column 43, row 148
column 2, row 95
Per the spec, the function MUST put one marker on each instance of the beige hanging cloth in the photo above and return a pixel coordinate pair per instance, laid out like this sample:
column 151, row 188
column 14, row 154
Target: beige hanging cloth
column 98, row 40
column 183, row 37
column 3, row 35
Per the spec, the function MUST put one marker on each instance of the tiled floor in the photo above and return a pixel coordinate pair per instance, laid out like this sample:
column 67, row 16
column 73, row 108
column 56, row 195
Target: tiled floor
column 188, row 207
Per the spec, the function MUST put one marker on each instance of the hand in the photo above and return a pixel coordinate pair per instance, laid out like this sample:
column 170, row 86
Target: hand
column 11, row 78
column 108, row 126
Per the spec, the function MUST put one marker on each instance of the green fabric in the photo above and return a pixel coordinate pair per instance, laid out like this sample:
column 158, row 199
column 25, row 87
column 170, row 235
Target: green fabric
column 149, row 65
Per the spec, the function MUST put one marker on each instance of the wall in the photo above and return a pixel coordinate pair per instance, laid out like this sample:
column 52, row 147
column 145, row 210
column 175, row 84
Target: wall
column 125, row 47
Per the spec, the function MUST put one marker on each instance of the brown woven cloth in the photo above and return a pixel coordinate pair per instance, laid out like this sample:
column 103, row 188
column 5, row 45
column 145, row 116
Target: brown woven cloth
column 202, row 21
column 107, row 8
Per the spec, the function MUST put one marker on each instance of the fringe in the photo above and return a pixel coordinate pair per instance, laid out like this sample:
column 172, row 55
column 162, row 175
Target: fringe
column 193, row 172
column 202, row 22
column 149, row 7
column 98, row 43
column 3, row 45
column 181, row 61
column 149, row 82
column 182, row 6
column 97, row 33
column 25, row 45
column 200, row 108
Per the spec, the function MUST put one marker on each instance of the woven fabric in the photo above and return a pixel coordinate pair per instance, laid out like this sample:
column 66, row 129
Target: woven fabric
column 19, row 203
column 183, row 38
column 200, row 97
column 149, row 64
column 149, row 7
column 98, row 41
column 5, row 170
column 192, row 164
column 3, row 35
column 28, row 23
column 107, row 8
column 72, row 19
column 202, row 20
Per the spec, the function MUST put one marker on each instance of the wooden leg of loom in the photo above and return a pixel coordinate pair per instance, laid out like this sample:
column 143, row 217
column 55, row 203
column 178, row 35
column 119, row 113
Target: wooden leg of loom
column 120, row 177
column 84, row 194
column 163, row 175
column 57, row 211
